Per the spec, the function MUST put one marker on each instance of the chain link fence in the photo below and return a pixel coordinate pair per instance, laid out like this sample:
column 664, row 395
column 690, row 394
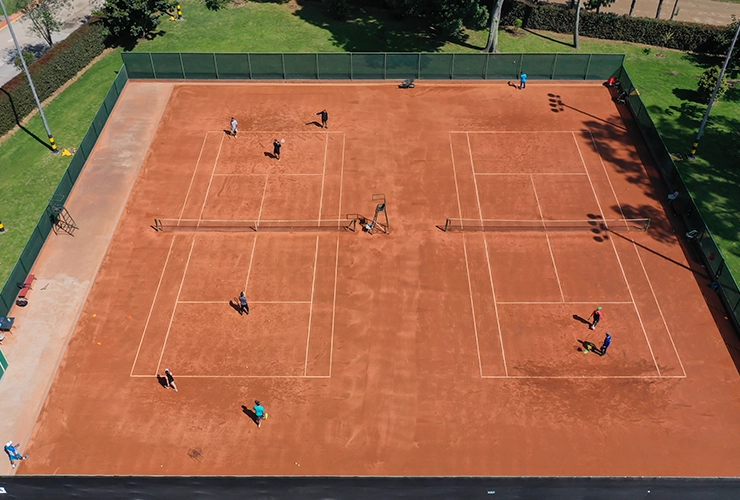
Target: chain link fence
column 369, row 66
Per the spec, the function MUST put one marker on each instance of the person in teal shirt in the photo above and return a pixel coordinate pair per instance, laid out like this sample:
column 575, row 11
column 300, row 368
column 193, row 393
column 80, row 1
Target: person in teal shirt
column 259, row 412
column 522, row 81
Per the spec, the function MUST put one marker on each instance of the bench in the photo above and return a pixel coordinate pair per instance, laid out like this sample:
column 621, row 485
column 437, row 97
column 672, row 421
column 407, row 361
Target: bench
column 25, row 288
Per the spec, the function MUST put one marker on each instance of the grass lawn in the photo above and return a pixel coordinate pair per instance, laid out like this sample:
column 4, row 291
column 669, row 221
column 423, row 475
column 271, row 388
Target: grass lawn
column 29, row 175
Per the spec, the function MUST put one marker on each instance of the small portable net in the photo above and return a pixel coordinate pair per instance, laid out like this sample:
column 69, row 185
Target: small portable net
column 546, row 226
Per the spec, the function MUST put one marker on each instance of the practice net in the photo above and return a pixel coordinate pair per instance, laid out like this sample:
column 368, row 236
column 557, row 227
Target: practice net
column 546, row 226
column 286, row 226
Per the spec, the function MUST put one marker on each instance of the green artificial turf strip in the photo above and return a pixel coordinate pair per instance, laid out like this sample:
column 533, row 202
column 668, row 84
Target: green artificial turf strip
column 29, row 173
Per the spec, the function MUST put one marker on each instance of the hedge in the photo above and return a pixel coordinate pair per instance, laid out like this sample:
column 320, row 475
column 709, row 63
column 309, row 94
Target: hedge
column 686, row 37
column 49, row 72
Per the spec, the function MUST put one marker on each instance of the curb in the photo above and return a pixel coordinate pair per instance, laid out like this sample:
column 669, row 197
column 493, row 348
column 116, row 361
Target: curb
column 13, row 18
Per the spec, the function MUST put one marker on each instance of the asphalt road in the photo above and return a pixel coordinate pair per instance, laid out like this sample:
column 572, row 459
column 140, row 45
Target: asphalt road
column 73, row 17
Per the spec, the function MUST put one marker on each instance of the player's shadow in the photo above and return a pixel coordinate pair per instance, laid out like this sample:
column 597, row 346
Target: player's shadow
column 235, row 305
column 270, row 155
column 512, row 84
column 162, row 381
column 250, row 414
column 582, row 320
column 588, row 346
column 228, row 132
column 315, row 123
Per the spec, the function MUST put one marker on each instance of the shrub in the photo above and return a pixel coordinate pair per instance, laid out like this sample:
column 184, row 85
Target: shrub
column 27, row 56
column 216, row 4
column 51, row 71
column 708, row 81
column 337, row 8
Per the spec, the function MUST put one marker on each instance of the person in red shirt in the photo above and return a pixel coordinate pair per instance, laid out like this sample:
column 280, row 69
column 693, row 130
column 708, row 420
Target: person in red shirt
column 597, row 315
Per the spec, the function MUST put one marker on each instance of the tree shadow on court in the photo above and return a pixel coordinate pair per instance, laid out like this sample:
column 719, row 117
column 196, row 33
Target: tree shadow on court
column 660, row 227
column 557, row 105
column 372, row 28
column 252, row 415
column 162, row 381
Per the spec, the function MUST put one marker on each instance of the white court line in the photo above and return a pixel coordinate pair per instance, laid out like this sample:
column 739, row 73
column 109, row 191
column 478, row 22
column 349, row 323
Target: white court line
column 616, row 253
column 210, row 181
column 249, row 269
column 333, row 310
column 472, row 308
column 262, row 202
column 454, row 175
column 323, row 179
column 581, row 377
column 174, row 309
column 490, row 272
column 242, row 133
column 547, row 238
column 518, row 132
column 251, row 302
column 310, row 309
column 151, row 309
column 243, row 376
column 341, row 178
column 192, row 178
column 564, row 303
column 529, row 173
column 247, row 175
column 639, row 257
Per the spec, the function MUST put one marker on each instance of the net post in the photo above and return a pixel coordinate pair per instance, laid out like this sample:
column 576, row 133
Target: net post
column 447, row 225
column 157, row 225
column 647, row 224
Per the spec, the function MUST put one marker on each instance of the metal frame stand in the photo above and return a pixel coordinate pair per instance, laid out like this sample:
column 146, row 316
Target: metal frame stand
column 380, row 211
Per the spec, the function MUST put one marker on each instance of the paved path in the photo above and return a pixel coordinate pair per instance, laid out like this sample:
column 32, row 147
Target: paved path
column 67, row 266
column 694, row 11
column 76, row 15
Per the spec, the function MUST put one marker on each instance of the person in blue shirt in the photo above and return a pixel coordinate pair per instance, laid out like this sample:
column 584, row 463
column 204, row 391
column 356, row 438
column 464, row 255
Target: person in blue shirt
column 605, row 345
column 13, row 453
column 259, row 412
column 522, row 81
column 243, row 304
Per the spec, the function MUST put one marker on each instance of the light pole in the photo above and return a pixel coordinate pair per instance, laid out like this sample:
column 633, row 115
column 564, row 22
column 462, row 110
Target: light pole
column 714, row 94
column 30, row 82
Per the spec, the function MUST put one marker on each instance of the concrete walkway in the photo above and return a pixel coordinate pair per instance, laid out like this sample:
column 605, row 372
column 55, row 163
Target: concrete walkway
column 690, row 11
column 73, row 17
column 67, row 266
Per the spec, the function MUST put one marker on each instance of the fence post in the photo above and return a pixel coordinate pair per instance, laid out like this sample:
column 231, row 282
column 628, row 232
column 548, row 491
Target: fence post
column 519, row 66
column 418, row 65
column 552, row 68
column 351, row 67
column 215, row 66
column 151, row 61
column 182, row 66
column 249, row 62
column 485, row 70
column 282, row 57
column 588, row 67
column 385, row 65
column 318, row 71
column 452, row 67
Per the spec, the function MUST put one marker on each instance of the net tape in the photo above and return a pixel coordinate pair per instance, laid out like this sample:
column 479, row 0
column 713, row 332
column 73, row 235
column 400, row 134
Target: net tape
column 592, row 225
column 287, row 226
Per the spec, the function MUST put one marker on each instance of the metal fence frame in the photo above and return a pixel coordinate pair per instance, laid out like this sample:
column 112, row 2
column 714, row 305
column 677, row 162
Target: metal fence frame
column 710, row 253
column 9, row 292
column 368, row 66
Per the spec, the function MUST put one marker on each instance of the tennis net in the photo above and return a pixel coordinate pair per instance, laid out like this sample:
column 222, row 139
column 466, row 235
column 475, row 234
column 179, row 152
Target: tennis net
column 286, row 226
column 546, row 226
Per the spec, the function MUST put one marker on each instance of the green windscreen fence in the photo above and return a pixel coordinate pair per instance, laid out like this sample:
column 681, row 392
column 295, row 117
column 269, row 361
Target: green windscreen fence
column 36, row 241
column 703, row 243
column 369, row 66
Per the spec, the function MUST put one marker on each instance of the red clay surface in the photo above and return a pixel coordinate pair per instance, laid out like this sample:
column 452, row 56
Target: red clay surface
column 417, row 353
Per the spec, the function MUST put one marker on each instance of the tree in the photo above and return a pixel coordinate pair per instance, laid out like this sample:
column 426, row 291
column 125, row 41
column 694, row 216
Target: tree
column 446, row 16
column 632, row 8
column 578, row 20
column 598, row 4
column 42, row 18
column 660, row 7
column 492, row 45
column 134, row 19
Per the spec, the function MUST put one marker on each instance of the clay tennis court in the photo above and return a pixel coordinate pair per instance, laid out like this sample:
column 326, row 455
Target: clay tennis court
column 418, row 352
